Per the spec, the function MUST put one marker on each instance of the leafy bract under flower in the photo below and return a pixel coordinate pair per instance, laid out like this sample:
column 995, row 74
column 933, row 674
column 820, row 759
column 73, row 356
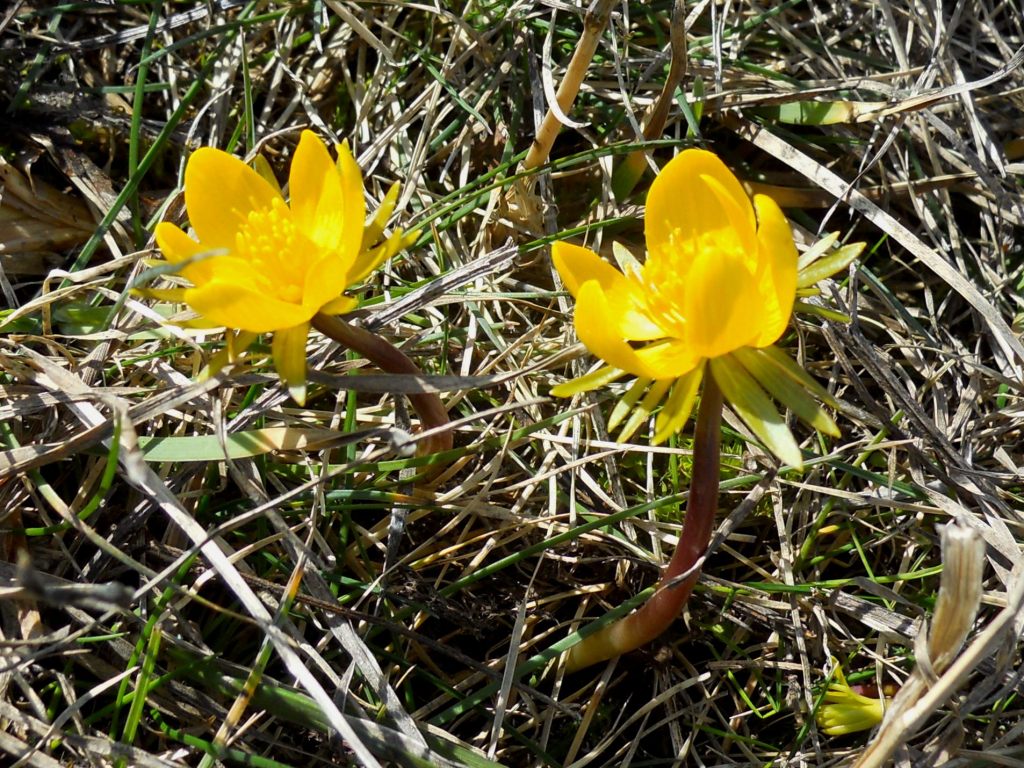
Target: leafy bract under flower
column 718, row 286
column 845, row 711
column 259, row 264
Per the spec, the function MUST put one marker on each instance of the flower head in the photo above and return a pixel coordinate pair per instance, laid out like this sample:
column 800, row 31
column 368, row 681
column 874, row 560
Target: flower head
column 259, row 264
column 716, row 291
column 846, row 711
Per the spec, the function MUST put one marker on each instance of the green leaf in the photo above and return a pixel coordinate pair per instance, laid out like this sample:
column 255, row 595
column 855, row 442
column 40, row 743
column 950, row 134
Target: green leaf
column 628, row 173
column 628, row 263
column 829, row 265
column 594, row 380
column 818, row 112
column 824, row 313
column 625, row 405
column 676, row 412
column 238, row 445
column 793, row 370
column 816, row 251
column 790, row 390
column 756, row 409
column 643, row 409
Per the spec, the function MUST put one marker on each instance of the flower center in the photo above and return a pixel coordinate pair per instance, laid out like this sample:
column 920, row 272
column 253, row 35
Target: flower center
column 276, row 250
column 694, row 270
column 665, row 280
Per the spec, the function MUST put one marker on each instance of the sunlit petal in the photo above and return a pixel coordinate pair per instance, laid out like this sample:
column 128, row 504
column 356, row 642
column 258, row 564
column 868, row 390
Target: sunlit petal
column 324, row 282
column 577, row 265
column 355, row 204
column 233, row 306
column 230, row 269
column 177, row 247
column 220, row 193
column 777, row 260
column 600, row 336
column 737, row 211
column 317, row 197
column 668, row 359
column 339, row 306
column 289, row 353
column 681, row 204
column 721, row 305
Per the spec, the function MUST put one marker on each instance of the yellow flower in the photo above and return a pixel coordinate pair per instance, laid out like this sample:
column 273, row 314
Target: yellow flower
column 715, row 292
column 260, row 264
column 845, row 711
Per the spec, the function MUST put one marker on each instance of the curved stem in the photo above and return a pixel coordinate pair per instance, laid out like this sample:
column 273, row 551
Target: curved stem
column 594, row 22
column 655, row 616
column 390, row 359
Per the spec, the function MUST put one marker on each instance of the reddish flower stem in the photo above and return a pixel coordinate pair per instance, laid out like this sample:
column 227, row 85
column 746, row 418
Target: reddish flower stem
column 390, row 359
column 655, row 616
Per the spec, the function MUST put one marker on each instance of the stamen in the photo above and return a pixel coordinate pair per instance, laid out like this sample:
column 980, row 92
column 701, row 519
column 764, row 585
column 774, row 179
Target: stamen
column 270, row 242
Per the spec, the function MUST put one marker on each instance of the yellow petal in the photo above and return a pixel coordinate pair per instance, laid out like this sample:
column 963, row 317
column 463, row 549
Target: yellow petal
column 777, row 275
column 177, row 247
column 601, row 336
column 220, row 192
column 721, row 305
column 681, row 203
column 230, row 269
column 677, row 409
column 373, row 231
column 737, row 211
column 339, row 306
column 237, row 344
column 367, row 261
column 355, row 204
column 289, row 353
column 577, row 265
column 233, row 306
column 669, row 358
column 324, row 282
column 317, row 198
